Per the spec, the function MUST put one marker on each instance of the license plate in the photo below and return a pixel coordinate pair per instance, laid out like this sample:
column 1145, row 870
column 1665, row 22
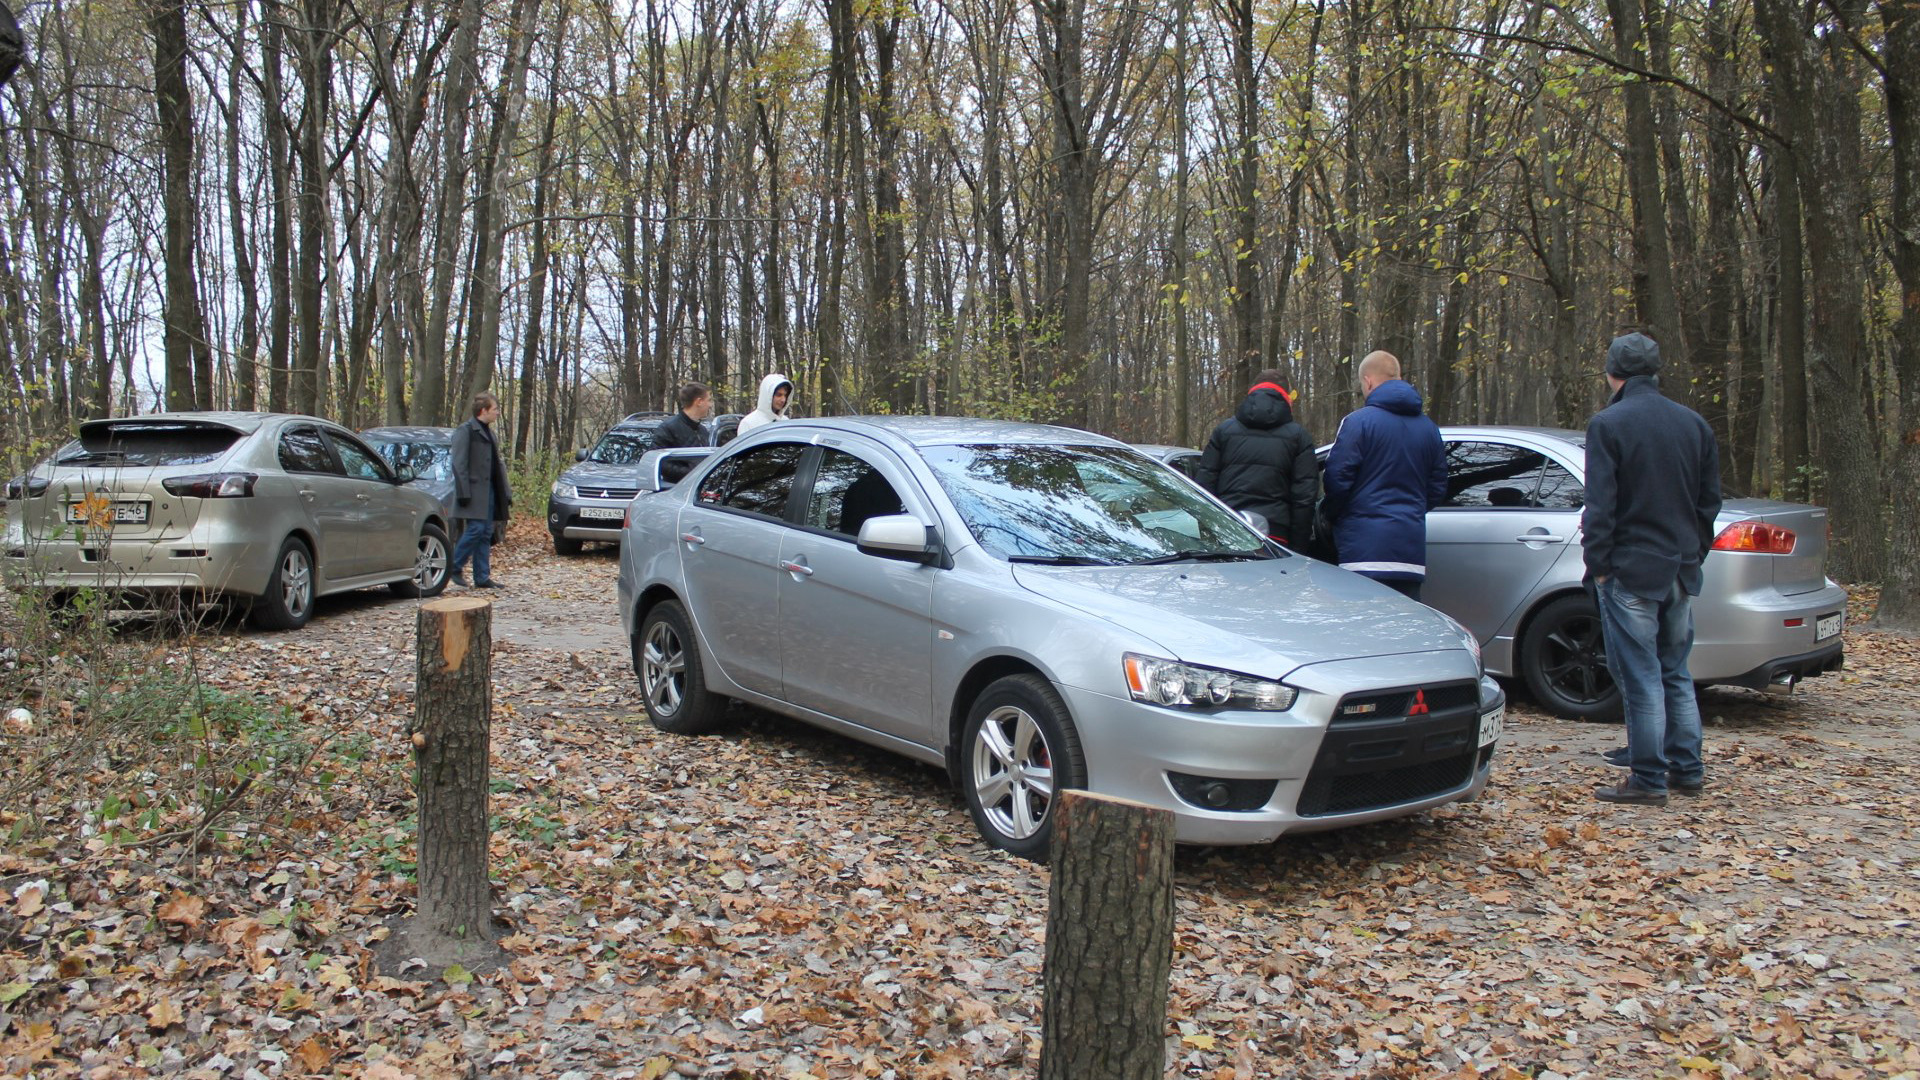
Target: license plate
column 602, row 513
column 1826, row 626
column 99, row 512
column 1491, row 724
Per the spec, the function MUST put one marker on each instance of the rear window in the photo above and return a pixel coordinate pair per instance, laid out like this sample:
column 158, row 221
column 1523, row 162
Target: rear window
column 152, row 444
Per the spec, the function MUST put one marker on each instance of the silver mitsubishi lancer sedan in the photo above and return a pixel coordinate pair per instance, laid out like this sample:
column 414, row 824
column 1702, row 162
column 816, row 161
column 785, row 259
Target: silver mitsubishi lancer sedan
column 1038, row 609
column 269, row 510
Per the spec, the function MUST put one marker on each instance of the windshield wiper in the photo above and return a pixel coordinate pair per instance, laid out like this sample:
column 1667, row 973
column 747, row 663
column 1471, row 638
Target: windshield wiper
column 1060, row 560
column 1192, row 555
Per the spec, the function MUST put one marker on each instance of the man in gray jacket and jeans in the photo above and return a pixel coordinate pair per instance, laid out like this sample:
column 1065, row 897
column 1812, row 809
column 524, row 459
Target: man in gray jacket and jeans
column 1653, row 491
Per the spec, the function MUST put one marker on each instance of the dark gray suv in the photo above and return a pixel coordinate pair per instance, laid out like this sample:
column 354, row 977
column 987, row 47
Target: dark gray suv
column 590, row 498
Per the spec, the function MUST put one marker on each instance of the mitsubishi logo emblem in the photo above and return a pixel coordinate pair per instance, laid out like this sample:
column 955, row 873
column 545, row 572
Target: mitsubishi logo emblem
column 1419, row 707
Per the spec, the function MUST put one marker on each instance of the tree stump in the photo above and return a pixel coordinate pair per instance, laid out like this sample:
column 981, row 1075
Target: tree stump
column 1109, row 940
column 453, row 708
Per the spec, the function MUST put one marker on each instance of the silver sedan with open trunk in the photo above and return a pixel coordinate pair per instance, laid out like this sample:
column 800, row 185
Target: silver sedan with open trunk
column 1036, row 609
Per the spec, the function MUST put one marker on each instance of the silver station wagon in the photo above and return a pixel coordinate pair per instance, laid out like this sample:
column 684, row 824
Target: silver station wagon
column 270, row 510
column 1504, row 558
column 1037, row 609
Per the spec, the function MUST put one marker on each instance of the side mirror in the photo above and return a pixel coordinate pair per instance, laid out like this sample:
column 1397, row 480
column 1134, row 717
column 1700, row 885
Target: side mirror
column 580, row 455
column 404, row 474
column 1258, row 521
column 899, row 536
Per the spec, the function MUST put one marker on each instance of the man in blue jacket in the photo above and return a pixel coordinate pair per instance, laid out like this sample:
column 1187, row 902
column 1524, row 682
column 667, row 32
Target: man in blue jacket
column 1653, row 492
column 1388, row 467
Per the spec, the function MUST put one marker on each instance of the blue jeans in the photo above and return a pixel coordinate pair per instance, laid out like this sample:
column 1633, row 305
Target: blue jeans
column 1647, row 646
column 476, row 540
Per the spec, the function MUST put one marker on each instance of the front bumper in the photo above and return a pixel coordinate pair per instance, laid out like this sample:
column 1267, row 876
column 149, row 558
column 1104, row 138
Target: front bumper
column 1314, row 776
column 586, row 519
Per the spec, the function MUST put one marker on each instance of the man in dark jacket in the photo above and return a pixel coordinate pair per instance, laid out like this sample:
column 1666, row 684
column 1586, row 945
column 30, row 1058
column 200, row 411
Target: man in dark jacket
column 684, row 428
column 1653, row 492
column 481, row 496
column 1387, row 468
column 1261, row 459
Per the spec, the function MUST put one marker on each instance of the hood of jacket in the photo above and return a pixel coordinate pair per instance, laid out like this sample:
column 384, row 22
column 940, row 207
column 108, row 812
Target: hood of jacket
column 768, row 387
column 1264, row 409
column 1396, row 396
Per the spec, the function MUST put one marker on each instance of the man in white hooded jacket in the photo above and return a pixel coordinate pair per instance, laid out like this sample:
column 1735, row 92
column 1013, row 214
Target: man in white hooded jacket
column 775, row 391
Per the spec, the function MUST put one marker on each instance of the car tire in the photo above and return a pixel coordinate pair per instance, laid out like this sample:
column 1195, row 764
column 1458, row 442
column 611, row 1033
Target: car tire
column 673, row 684
column 564, row 546
column 1563, row 658
column 288, row 601
column 432, row 565
column 1018, row 751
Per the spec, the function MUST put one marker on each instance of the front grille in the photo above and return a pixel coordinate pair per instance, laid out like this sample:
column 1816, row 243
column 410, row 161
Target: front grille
column 1367, row 791
column 607, row 492
column 1383, row 757
column 1390, row 704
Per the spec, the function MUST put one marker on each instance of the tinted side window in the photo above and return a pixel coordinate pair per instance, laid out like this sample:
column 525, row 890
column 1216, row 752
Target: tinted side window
column 1185, row 464
column 1481, row 474
column 846, row 492
column 304, row 449
column 359, row 464
column 1559, row 490
column 758, row 481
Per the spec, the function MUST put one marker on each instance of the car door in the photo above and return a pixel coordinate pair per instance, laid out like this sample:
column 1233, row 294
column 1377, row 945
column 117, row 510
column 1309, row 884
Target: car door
column 856, row 629
column 729, row 537
column 389, row 523
column 328, row 499
column 1492, row 540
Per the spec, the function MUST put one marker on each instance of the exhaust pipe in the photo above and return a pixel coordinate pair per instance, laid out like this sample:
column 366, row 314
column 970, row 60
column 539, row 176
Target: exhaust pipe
column 1782, row 685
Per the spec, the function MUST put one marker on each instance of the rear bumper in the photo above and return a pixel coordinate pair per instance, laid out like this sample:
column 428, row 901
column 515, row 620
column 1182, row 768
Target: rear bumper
column 1788, row 670
column 189, row 563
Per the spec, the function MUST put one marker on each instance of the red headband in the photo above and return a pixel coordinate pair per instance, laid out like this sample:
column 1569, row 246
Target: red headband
column 1273, row 386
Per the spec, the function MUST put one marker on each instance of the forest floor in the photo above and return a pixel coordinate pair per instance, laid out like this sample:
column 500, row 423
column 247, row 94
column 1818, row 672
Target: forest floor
column 779, row 903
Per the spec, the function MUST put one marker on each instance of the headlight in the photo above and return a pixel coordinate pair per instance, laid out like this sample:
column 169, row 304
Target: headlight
column 564, row 490
column 1169, row 682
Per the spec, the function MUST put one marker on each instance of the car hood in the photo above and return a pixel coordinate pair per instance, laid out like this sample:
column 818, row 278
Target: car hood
column 595, row 473
column 1264, row 618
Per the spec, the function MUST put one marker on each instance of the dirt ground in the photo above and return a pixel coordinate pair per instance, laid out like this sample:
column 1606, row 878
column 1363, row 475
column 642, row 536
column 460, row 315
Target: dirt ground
column 777, row 902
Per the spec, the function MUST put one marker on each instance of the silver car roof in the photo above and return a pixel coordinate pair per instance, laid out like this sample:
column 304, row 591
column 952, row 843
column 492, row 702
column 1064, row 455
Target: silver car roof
column 1566, row 435
column 945, row 430
column 244, row 422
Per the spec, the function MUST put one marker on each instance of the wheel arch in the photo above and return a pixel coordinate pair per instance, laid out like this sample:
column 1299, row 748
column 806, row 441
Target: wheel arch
column 1539, row 604
column 650, row 598
column 305, row 536
column 984, row 673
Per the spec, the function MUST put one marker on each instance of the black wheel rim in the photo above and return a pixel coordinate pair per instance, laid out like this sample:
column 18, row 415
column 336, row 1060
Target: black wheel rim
column 1573, row 660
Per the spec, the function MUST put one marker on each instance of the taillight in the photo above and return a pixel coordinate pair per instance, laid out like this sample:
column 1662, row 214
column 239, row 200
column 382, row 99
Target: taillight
column 1755, row 536
column 28, row 487
column 226, row 485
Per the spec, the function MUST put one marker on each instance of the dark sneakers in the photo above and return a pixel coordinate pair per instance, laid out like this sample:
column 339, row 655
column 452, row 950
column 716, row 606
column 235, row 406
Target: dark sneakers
column 460, row 580
column 1631, row 794
column 488, row 584
column 1617, row 757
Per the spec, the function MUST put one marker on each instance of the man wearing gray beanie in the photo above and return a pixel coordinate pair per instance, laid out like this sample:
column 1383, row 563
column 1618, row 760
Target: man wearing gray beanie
column 1653, row 491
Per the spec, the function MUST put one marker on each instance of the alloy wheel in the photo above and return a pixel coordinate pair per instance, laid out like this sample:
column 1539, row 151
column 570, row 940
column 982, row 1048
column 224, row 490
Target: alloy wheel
column 430, row 565
column 296, row 582
column 1575, row 660
column 1013, row 772
column 663, row 668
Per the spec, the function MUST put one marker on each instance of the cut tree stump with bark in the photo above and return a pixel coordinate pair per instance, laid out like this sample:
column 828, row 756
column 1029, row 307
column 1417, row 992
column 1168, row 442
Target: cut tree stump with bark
column 453, row 708
column 1109, row 940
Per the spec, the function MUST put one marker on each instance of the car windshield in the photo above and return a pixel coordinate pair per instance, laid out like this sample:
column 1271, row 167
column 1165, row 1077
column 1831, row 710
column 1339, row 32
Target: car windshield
column 1086, row 506
column 621, row 447
column 429, row 461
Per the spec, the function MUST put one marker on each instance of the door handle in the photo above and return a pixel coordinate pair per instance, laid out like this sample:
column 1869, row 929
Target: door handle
column 1540, row 538
column 307, row 494
column 796, row 568
column 694, row 539
column 363, row 497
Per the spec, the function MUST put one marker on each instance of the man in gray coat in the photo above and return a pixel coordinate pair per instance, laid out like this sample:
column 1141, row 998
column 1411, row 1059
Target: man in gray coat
column 1653, row 491
column 480, row 493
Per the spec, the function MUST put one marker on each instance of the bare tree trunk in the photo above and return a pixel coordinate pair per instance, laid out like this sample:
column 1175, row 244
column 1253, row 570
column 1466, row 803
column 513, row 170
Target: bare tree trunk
column 490, row 230
column 1183, row 167
column 1900, row 78
column 189, row 358
column 315, row 42
column 430, row 371
column 1653, row 270
column 280, row 169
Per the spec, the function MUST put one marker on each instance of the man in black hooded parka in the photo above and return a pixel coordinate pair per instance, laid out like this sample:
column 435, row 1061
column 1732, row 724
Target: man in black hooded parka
column 1261, row 459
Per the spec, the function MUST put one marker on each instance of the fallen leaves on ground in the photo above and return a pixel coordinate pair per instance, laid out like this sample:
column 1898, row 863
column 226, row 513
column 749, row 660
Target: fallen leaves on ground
column 775, row 902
